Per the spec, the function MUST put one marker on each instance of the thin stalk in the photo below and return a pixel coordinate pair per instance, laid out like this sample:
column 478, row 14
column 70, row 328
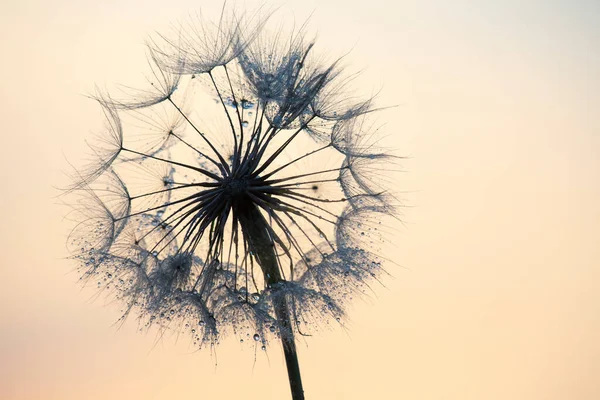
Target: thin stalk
column 289, row 350
column 257, row 231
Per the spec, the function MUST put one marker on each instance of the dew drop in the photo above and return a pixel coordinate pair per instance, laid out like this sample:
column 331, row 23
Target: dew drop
column 256, row 337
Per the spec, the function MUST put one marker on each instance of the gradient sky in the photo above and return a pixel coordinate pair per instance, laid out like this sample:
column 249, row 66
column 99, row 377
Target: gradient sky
column 498, row 294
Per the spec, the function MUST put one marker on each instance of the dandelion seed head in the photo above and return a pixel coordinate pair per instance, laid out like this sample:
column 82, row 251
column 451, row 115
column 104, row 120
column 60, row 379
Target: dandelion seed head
column 244, row 178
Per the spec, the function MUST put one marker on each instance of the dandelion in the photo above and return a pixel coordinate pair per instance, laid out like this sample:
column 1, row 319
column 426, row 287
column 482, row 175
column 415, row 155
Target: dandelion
column 238, row 193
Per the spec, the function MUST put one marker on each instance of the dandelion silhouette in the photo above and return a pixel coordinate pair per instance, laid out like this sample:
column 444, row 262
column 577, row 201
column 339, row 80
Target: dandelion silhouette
column 238, row 194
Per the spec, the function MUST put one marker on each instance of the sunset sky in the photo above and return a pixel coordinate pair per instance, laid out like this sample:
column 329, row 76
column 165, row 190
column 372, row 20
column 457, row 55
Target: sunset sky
column 495, row 290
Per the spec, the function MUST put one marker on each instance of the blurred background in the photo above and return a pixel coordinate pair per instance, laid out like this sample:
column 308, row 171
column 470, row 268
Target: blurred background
column 497, row 296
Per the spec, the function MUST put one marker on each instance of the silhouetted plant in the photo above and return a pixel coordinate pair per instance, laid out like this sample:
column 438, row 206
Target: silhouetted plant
column 238, row 193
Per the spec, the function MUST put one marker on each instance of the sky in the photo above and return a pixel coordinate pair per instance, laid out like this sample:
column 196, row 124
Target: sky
column 494, row 290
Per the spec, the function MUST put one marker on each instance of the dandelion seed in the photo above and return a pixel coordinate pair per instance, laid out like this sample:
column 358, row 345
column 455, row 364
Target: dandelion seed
column 255, row 217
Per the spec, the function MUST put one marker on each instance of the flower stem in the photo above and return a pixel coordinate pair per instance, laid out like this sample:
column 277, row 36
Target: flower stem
column 258, row 233
column 289, row 349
